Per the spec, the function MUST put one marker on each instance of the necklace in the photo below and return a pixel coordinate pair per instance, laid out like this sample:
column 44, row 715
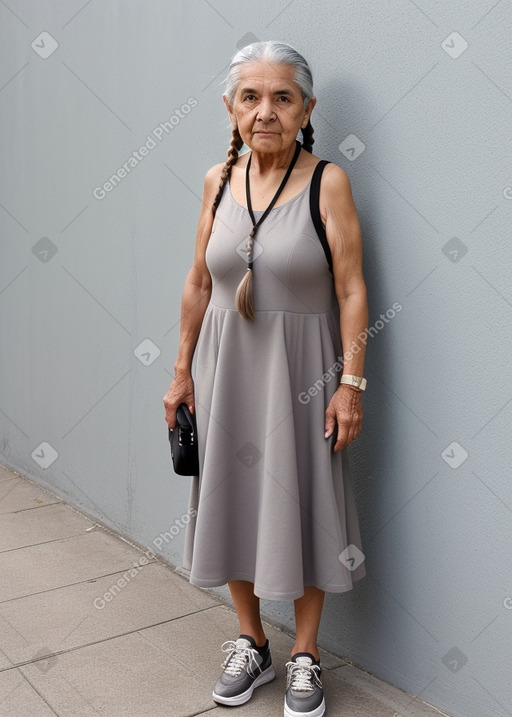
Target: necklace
column 255, row 223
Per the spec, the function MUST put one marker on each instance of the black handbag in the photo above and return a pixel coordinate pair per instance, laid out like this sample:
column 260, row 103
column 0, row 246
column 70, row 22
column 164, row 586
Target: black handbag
column 183, row 440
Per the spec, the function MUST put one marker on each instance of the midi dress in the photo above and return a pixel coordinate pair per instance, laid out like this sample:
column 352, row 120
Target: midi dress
column 273, row 504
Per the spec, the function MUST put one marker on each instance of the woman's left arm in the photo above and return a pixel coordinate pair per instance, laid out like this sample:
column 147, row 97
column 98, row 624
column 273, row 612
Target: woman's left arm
column 344, row 237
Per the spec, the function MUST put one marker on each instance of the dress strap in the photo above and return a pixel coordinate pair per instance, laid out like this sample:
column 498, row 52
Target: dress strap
column 314, row 207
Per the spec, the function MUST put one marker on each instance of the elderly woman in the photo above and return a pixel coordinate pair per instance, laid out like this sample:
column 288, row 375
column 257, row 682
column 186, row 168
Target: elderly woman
column 274, row 295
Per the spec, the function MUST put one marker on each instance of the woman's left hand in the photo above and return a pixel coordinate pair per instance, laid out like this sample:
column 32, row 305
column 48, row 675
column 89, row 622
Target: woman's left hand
column 344, row 409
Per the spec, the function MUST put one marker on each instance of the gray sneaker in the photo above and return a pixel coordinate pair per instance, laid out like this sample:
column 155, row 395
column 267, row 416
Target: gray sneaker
column 245, row 668
column 304, row 694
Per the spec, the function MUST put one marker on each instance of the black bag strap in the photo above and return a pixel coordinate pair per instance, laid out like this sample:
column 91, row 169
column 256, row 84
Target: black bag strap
column 314, row 207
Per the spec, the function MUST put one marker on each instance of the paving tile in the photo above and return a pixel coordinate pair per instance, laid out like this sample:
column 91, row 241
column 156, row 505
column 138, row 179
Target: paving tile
column 355, row 681
column 50, row 522
column 19, row 699
column 202, row 634
column 123, row 677
column 62, row 562
column 342, row 700
column 80, row 661
column 16, row 493
column 261, row 705
column 67, row 617
column 195, row 640
column 346, row 699
column 8, row 474
column 4, row 660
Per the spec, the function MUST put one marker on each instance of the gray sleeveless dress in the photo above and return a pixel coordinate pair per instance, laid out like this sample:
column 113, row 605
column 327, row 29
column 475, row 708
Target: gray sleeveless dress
column 274, row 504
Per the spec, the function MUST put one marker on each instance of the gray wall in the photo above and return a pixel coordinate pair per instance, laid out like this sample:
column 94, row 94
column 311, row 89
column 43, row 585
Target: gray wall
column 90, row 290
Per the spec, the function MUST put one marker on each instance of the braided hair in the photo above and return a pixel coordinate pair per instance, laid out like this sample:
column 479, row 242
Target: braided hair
column 307, row 137
column 276, row 52
column 234, row 148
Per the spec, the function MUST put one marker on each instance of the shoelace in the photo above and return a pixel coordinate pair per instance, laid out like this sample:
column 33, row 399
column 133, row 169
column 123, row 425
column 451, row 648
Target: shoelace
column 237, row 658
column 303, row 678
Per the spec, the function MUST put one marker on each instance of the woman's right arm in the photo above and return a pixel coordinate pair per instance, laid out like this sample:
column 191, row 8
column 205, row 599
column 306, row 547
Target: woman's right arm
column 195, row 298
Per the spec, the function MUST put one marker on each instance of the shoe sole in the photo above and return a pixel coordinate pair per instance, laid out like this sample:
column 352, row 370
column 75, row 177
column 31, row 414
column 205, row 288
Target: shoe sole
column 317, row 712
column 267, row 676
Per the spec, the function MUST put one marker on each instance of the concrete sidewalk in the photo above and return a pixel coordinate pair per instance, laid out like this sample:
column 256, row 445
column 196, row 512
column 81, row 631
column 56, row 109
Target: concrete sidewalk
column 150, row 649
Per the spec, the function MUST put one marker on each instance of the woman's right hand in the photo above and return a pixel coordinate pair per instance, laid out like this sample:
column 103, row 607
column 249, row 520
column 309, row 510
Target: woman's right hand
column 181, row 390
column 196, row 296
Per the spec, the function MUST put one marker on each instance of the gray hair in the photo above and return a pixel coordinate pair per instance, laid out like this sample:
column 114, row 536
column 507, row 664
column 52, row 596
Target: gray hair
column 270, row 51
column 275, row 52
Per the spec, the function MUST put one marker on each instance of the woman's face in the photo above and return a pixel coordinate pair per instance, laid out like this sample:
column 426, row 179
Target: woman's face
column 268, row 107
